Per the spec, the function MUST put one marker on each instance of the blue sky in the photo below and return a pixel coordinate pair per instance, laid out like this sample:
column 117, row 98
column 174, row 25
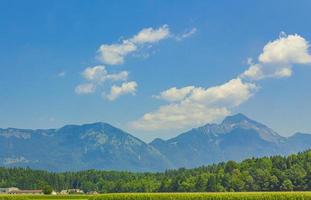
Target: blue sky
column 49, row 48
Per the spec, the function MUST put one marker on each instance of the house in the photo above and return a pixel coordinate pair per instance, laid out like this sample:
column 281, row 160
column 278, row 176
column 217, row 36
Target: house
column 63, row 192
column 7, row 190
column 75, row 191
column 72, row 191
column 32, row 192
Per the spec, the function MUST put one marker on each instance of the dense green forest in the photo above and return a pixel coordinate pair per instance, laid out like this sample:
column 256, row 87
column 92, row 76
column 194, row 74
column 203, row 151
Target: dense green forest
column 274, row 173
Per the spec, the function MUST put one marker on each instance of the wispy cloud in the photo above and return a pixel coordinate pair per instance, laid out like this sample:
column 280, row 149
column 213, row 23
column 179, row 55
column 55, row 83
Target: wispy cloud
column 186, row 34
column 115, row 54
column 61, row 74
column 85, row 88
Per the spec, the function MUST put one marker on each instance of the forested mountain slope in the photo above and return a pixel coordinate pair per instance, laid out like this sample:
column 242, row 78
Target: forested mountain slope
column 256, row 174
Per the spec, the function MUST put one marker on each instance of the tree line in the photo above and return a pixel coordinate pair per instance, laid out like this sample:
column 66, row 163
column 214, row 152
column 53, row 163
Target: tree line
column 276, row 173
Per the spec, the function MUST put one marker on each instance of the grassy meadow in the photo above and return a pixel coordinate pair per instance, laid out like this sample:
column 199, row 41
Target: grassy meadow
column 172, row 196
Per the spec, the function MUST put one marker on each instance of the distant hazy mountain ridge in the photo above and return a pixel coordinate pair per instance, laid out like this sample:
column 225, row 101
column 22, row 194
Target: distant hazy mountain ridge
column 236, row 138
column 102, row 146
column 98, row 146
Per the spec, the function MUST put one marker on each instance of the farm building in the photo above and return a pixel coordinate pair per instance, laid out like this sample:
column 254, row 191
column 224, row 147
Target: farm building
column 72, row 191
column 7, row 190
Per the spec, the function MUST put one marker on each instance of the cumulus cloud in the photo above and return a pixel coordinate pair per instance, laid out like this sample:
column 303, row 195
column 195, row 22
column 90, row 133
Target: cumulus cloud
column 114, row 54
column 192, row 106
column 175, row 94
column 229, row 94
column 178, row 116
column 260, row 71
column 85, row 88
column 150, row 35
column 99, row 74
column 96, row 76
column 278, row 58
column 125, row 88
column 286, row 49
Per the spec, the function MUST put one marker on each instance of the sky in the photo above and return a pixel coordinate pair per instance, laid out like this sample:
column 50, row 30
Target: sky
column 155, row 68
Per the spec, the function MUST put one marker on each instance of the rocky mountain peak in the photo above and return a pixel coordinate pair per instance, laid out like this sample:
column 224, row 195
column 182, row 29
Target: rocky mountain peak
column 238, row 118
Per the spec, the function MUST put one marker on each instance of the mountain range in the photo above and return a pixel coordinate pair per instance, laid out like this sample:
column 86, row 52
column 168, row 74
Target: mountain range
column 102, row 146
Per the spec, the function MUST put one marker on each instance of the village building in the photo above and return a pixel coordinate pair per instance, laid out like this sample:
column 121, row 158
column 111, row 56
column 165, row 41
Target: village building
column 72, row 191
column 63, row 192
column 7, row 190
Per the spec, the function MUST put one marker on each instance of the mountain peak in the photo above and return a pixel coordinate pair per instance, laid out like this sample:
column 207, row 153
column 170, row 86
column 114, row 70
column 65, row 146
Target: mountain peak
column 236, row 118
column 95, row 125
column 241, row 121
column 229, row 123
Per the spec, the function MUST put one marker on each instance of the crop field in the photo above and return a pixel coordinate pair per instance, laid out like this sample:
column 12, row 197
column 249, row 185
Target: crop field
column 172, row 196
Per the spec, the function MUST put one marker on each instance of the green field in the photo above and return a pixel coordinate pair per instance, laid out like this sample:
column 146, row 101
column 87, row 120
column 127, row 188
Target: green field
column 173, row 196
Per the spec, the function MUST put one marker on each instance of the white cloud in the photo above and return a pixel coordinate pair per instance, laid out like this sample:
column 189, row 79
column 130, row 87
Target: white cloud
column 229, row 94
column 96, row 76
column 150, row 35
column 178, row 116
column 100, row 74
column 262, row 71
column 278, row 58
column 94, row 73
column 175, row 94
column 125, row 88
column 192, row 106
column 198, row 106
column 85, row 88
column 286, row 49
column 186, row 34
column 114, row 54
